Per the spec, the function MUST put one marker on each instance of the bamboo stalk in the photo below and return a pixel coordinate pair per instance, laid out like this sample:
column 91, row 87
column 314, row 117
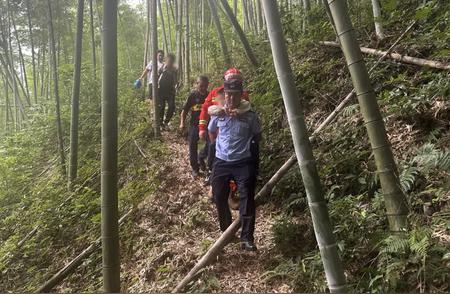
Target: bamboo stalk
column 397, row 57
column 395, row 200
column 109, row 197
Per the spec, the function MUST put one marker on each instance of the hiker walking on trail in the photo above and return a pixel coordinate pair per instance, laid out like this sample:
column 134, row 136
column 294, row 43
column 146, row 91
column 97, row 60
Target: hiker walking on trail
column 193, row 104
column 167, row 82
column 233, row 133
column 148, row 71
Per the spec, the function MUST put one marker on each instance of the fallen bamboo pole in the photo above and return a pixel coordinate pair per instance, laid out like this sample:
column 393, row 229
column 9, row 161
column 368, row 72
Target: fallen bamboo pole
column 223, row 240
column 397, row 57
column 75, row 263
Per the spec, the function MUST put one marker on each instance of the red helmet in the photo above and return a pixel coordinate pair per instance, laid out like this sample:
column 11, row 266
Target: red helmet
column 233, row 74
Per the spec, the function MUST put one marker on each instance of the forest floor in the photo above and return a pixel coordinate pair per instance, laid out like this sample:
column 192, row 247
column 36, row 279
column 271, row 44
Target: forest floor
column 173, row 229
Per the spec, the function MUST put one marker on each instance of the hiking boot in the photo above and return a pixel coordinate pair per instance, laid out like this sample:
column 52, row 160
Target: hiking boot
column 248, row 246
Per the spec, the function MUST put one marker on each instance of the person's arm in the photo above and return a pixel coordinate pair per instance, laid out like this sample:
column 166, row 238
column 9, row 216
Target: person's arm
column 185, row 110
column 204, row 116
column 143, row 74
column 213, row 129
column 147, row 68
column 256, row 129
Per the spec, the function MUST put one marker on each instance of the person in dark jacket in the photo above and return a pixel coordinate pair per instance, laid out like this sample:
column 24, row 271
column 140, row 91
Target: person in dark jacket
column 193, row 105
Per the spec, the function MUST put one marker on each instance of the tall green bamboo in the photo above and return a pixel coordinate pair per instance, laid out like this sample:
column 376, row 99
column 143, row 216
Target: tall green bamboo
column 319, row 212
column 33, row 59
column 187, row 45
column 73, row 158
column 110, row 224
column 155, row 94
column 56, row 88
column 179, row 36
column 94, row 54
column 223, row 43
column 163, row 26
column 394, row 198
column 237, row 27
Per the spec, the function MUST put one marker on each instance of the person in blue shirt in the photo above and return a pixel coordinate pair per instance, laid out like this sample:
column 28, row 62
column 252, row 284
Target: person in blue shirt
column 233, row 133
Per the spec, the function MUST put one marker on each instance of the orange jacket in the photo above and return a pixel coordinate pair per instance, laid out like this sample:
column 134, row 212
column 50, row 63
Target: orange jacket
column 209, row 101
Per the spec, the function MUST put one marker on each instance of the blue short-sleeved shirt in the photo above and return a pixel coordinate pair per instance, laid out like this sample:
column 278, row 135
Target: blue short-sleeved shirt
column 234, row 135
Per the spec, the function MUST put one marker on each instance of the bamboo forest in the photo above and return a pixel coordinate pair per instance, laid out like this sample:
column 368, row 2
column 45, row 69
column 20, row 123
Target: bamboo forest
column 263, row 146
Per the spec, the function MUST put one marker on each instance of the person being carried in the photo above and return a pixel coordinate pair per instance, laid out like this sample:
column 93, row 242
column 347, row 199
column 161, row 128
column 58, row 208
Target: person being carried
column 193, row 104
column 148, row 71
column 233, row 134
column 167, row 82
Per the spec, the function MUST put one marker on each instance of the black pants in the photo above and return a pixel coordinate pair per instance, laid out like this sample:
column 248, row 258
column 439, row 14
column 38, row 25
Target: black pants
column 243, row 173
column 254, row 150
column 168, row 98
column 194, row 155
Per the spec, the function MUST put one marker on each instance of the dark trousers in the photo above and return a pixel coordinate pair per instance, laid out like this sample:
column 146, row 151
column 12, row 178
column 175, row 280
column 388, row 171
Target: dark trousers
column 194, row 155
column 243, row 173
column 254, row 150
column 168, row 98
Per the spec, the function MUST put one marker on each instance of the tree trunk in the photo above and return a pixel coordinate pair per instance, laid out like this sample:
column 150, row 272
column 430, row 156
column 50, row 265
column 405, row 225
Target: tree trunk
column 377, row 19
column 73, row 160
column 33, row 61
column 56, row 90
column 155, row 94
column 21, row 59
column 245, row 15
column 240, row 32
column 216, row 19
column 395, row 200
column 187, row 46
column 179, row 6
column 110, row 226
column 165, row 43
column 311, row 181
column 94, row 54
column 169, row 25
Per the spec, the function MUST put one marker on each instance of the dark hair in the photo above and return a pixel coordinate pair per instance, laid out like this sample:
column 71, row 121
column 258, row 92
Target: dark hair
column 171, row 56
column 203, row 78
column 160, row 51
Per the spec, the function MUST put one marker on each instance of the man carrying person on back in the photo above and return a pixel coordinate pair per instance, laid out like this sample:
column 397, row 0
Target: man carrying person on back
column 213, row 99
column 193, row 104
column 233, row 133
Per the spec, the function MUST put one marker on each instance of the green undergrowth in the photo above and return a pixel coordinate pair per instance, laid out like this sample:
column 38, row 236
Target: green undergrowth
column 34, row 193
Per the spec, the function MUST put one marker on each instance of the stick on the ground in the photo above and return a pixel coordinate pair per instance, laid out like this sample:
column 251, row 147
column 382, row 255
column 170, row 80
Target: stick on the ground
column 223, row 240
column 75, row 263
column 398, row 57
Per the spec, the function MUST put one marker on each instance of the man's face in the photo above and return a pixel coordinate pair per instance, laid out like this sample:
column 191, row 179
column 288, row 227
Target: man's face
column 161, row 57
column 202, row 86
column 232, row 99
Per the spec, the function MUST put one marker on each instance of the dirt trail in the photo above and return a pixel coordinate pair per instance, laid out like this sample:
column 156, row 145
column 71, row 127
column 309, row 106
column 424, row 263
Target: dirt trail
column 174, row 228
